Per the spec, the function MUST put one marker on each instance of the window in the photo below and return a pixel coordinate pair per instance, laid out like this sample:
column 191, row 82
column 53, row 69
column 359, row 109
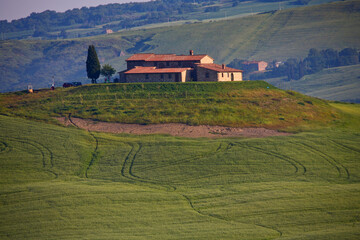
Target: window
column 169, row 75
column 207, row 75
column 179, row 64
column 146, row 76
column 222, row 74
column 162, row 76
column 167, row 64
column 228, row 74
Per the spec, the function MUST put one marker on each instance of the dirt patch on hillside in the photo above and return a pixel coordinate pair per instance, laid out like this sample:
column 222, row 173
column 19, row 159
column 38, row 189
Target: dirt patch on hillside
column 174, row 129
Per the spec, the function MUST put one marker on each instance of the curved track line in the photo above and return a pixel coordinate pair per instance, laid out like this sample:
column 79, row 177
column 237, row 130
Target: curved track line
column 126, row 160
column 132, row 155
column 217, row 151
column 40, row 148
column 5, row 147
column 133, row 160
column 327, row 158
column 287, row 159
column 94, row 153
column 224, row 219
column 126, row 170
column 168, row 186
column 344, row 146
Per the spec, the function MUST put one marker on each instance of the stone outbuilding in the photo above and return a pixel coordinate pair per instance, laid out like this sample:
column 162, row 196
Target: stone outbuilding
column 217, row 73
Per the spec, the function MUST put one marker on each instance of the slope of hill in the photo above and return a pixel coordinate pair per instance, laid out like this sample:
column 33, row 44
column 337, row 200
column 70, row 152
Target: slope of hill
column 66, row 183
column 341, row 84
column 236, row 104
column 276, row 35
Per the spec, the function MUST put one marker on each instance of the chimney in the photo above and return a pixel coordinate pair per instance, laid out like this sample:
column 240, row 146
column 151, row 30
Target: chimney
column 191, row 52
column 223, row 66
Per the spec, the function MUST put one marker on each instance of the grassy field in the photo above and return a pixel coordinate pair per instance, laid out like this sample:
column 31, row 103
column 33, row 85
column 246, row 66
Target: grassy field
column 67, row 183
column 237, row 104
column 276, row 35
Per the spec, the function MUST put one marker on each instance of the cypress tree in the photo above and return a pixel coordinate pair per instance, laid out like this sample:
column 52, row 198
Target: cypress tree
column 92, row 64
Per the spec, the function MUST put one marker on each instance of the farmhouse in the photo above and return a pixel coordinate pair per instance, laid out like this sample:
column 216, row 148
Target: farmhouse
column 150, row 67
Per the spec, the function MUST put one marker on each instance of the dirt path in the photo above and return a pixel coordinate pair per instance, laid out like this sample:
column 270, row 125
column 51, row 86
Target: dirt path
column 174, row 129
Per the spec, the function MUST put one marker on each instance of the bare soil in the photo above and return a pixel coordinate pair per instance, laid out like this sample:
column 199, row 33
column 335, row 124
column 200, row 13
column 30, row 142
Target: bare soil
column 174, row 129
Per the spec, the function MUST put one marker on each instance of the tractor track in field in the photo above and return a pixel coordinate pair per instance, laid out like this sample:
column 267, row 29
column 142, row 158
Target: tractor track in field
column 217, row 151
column 94, row 153
column 221, row 148
column 337, row 165
column 131, row 157
column 40, row 147
column 287, row 159
column 218, row 217
column 5, row 147
column 344, row 146
column 127, row 169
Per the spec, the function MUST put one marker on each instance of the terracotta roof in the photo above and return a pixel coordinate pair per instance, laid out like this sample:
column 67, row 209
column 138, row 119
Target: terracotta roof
column 138, row 70
column 139, row 57
column 217, row 67
column 151, row 57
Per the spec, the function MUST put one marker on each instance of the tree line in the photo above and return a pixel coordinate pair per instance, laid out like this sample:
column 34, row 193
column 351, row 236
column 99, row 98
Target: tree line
column 295, row 69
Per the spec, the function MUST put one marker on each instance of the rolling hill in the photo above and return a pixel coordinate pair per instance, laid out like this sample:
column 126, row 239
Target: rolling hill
column 340, row 84
column 268, row 36
column 60, row 182
column 234, row 104
column 67, row 183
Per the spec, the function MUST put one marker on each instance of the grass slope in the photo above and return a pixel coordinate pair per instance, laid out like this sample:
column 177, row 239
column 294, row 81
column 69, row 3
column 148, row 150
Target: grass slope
column 276, row 35
column 66, row 183
column 341, row 83
column 239, row 104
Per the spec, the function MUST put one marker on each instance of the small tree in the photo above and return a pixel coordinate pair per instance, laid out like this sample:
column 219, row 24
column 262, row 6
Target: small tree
column 92, row 64
column 107, row 71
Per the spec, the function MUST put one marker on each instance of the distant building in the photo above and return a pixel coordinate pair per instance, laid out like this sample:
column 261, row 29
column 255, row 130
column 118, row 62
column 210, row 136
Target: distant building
column 109, row 31
column 255, row 65
column 150, row 67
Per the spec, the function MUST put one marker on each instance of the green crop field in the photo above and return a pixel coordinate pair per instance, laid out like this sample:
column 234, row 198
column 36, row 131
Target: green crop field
column 67, row 183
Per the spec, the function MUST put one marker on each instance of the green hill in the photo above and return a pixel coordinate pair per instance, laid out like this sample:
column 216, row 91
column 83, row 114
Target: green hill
column 341, row 84
column 275, row 35
column 67, row 183
column 236, row 104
